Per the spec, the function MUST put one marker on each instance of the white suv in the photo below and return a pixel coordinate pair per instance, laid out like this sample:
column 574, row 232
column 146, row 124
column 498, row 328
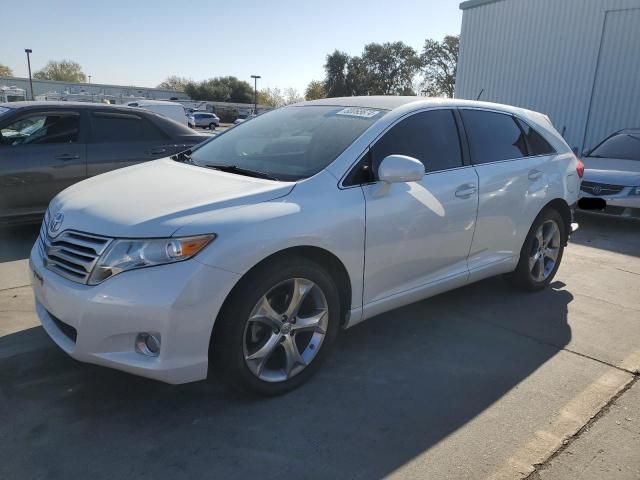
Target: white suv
column 254, row 249
column 204, row 120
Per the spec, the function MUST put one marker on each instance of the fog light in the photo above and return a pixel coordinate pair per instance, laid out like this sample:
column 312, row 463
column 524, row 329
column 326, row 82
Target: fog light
column 148, row 344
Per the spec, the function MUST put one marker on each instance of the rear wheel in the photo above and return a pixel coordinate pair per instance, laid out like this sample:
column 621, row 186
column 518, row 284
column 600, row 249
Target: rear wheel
column 541, row 253
column 277, row 327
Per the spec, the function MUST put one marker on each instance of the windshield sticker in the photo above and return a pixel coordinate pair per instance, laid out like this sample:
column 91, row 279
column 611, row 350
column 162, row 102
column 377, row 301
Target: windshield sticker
column 358, row 112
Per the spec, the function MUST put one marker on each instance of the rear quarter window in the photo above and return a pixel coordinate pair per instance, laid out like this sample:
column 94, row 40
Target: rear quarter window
column 538, row 145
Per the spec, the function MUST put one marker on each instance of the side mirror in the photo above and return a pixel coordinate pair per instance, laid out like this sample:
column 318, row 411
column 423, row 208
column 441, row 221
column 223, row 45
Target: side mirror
column 400, row 169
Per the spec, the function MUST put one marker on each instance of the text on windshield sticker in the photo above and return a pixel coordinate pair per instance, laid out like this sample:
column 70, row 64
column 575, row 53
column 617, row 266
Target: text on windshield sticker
column 358, row 112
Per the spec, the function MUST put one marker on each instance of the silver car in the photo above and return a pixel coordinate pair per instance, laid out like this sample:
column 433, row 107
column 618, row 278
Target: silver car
column 611, row 183
column 305, row 220
column 204, row 120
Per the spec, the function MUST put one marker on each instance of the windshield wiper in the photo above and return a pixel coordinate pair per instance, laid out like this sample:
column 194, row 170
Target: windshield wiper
column 242, row 171
column 183, row 157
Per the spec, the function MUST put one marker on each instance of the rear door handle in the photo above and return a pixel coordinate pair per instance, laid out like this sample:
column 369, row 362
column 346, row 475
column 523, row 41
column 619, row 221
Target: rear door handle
column 534, row 175
column 157, row 151
column 67, row 156
column 465, row 191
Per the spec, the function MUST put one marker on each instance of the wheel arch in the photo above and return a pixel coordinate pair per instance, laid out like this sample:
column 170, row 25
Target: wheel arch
column 562, row 207
column 324, row 258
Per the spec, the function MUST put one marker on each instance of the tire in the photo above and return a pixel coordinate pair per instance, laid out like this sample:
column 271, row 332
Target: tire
column 258, row 356
column 212, row 126
column 550, row 229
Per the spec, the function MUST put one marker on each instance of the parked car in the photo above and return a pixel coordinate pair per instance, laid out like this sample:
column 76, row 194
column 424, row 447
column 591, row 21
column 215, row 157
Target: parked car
column 243, row 118
column 255, row 248
column 612, row 176
column 173, row 110
column 47, row 146
column 204, row 120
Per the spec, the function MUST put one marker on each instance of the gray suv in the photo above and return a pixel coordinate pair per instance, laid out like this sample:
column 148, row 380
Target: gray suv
column 204, row 120
column 47, row 146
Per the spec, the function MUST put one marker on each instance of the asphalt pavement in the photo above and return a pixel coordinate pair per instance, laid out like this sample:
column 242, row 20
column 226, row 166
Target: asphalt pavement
column 480, row 382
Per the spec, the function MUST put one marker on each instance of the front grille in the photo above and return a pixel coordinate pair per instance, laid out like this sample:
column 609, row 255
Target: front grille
column 68, row 331
column 71, row 254
column 595, row 188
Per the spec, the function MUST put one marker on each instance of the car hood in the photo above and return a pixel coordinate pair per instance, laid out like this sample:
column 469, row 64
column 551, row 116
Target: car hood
column 613, row 171
column 155, row 199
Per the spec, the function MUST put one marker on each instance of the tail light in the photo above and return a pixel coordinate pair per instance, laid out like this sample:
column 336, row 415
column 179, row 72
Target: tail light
column 580, row 168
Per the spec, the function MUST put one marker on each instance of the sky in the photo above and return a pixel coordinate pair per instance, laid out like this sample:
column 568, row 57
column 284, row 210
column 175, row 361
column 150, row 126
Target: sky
column 286, row 42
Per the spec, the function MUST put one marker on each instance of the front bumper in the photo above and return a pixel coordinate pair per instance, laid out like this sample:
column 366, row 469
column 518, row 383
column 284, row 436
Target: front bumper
column 98, row 324
column 620, row 205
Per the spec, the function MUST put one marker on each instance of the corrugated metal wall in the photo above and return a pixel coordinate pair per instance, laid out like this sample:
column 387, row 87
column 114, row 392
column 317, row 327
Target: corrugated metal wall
column 544, row 55
column 615, row 101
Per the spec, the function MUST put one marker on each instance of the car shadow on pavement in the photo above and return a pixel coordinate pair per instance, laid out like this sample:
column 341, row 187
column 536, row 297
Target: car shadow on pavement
column 393, row 388
column 16, row 242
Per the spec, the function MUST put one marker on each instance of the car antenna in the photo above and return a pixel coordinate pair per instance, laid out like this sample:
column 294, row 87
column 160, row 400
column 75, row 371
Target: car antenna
column 479, row 95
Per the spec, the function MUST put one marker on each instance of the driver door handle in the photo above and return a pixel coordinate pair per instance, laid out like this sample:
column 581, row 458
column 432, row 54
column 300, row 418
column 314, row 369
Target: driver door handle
column 157, row 151
column 67, row 156
column 466, row 190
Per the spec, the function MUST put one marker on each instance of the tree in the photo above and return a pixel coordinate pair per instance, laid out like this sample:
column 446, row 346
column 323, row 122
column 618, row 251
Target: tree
column 391, row 68
column 315, row 90
column 358, row 80
column 174, row 82
column 291, row 95
column 220, row 89
column 439, row 64
column 271, row 97
column 382, row 69
column 5, row 71
column 63, row 71
column 336, row 74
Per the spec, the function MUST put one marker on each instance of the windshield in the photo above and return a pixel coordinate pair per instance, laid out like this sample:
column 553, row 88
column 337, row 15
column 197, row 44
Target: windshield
column 624, row 145
column 289, row 143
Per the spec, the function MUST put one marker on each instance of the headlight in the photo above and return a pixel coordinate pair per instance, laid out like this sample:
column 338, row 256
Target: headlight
column 635, row 191
column 123, row 255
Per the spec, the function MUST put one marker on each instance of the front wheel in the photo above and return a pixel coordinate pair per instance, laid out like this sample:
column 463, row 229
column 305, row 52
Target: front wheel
column 541, row 253
column 277, row 327
column 212, row 126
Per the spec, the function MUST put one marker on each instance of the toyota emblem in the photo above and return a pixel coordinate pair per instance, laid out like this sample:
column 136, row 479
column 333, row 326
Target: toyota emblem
column 56, row 222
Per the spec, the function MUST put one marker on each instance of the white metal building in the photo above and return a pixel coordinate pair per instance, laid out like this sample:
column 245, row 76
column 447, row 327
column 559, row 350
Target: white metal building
column 120, row 93
column 578, row 61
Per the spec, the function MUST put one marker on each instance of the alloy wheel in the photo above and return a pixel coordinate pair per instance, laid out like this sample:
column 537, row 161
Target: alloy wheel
column 285, row 330
column 545, row 250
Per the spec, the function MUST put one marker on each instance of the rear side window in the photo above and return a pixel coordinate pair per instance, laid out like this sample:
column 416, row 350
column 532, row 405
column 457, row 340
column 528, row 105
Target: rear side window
column 431, row 137
column 493, row 136
column 537, row 143
column 123, row 128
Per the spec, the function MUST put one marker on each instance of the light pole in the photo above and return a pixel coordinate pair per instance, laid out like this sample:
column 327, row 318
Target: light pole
column 28, row 51
column 255, row 93
column 89, row 78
